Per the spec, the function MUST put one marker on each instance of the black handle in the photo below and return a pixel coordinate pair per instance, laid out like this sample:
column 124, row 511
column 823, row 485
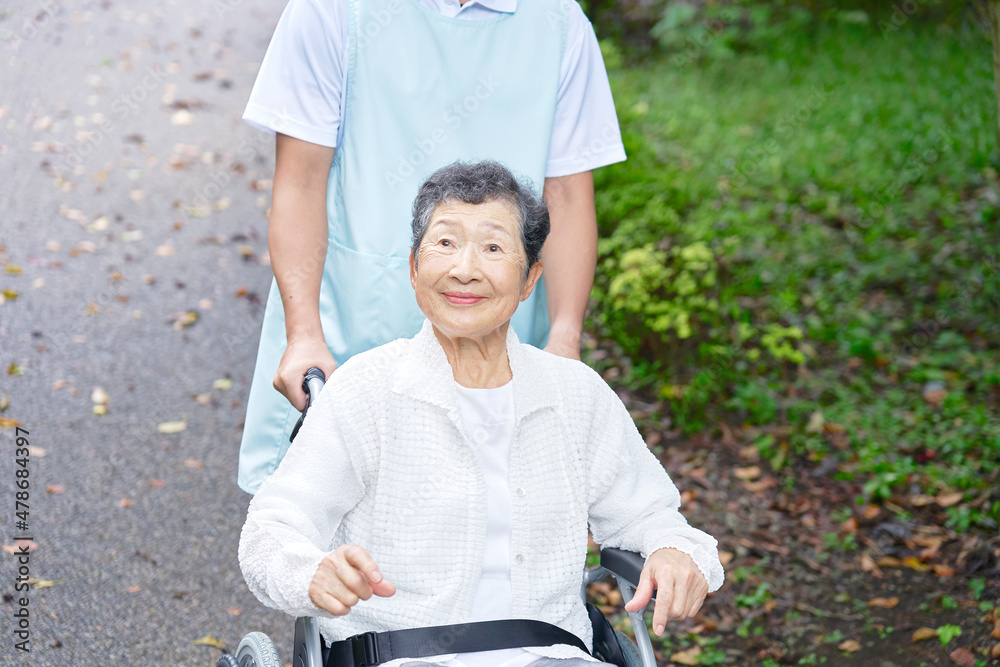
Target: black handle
column 312, row 383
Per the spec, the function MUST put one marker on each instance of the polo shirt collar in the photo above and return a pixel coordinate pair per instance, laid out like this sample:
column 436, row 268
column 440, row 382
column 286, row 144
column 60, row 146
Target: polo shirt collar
column 507, row 6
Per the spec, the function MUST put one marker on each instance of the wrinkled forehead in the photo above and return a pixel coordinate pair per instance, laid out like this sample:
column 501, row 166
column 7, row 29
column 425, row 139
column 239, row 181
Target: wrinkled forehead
column 495, row 216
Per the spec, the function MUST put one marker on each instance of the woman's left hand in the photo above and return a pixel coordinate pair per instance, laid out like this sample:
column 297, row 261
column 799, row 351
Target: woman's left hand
column 680, row 587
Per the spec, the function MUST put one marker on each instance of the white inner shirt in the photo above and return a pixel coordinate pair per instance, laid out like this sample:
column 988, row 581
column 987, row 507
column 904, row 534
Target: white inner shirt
column 301, row 82
column 488, row 419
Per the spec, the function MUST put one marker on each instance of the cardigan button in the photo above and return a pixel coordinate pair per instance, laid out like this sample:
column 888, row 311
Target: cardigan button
column 521, row 492
column 518, row 559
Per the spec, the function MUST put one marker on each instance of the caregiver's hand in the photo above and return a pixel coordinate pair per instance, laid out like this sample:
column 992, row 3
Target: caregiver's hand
column 346, row 575
column 564, row 342
column 679, row 584
column 301, row 355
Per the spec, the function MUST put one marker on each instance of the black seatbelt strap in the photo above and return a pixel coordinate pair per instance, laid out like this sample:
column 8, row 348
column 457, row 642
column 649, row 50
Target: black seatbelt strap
column 371, row 648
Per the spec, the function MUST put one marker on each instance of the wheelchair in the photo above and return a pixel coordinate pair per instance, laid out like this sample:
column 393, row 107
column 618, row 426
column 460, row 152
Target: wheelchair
column 310, row 650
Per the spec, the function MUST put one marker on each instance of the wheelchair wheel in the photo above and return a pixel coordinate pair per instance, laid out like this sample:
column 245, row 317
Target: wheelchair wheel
column 257, row 650
column 629, row 650
column 227, row 661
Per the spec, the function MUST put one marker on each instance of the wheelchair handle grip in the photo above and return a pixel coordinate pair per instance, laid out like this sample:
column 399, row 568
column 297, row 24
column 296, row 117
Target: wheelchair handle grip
column 312, row 384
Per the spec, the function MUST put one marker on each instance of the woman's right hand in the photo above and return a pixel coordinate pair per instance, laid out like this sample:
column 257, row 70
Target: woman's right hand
column 301, row 355
column 346, row 575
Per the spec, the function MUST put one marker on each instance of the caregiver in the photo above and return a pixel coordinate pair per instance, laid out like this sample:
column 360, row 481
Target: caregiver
column 367, row 98
column 451, row 477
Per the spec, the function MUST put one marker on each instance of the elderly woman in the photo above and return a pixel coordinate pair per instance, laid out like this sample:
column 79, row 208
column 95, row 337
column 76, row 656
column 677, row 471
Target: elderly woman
column 451, row 477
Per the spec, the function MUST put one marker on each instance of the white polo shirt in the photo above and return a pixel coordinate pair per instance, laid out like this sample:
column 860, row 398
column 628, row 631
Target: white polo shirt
column 302, row 78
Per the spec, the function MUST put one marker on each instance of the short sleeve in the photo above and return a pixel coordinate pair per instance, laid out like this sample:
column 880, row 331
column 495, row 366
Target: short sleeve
column 585, row 134
column 300, row 84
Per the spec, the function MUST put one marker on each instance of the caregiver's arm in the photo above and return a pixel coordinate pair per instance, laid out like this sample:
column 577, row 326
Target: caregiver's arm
column 570, row 257
column 296, row 236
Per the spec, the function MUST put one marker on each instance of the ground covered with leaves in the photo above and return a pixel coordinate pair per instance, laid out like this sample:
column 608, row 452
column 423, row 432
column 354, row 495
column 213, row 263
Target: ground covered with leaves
column 812, row 576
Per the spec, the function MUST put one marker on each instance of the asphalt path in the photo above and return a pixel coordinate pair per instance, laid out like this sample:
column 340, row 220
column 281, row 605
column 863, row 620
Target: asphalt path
column 133, row 220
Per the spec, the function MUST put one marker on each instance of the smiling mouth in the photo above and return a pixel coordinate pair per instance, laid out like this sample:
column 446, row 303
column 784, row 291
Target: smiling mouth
column 463, row 298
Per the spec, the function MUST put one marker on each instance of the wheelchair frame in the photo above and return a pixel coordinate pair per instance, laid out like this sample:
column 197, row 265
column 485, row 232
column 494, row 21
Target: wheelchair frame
column 307, row 650
column 624, row 566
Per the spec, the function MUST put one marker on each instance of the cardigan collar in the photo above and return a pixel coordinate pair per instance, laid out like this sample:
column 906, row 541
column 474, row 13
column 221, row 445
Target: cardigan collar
column 426, row 375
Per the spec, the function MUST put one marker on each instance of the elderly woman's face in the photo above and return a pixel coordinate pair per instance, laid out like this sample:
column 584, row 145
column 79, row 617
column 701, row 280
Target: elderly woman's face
column 470, row 273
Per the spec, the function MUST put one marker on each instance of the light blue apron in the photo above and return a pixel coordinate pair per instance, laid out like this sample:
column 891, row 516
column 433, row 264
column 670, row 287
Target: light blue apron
column 423, row 90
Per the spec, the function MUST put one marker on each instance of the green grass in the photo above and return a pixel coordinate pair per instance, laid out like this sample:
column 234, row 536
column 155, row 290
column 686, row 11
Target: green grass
column 813, row 227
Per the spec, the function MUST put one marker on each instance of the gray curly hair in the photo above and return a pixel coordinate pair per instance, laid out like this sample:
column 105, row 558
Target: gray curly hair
column 478, row 183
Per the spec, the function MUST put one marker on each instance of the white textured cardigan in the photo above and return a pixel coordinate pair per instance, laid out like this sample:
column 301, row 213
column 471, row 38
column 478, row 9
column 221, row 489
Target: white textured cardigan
column 382, row 461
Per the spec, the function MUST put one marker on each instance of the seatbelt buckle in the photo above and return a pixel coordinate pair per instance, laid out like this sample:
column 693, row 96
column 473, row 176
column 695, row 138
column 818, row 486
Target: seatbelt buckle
column 364, row 650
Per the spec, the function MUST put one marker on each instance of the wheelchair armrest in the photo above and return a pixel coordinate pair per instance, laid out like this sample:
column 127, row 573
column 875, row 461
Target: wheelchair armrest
column 307, row 651
column 626, row 565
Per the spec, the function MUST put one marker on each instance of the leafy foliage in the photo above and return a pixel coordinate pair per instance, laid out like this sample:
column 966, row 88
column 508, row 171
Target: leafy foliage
column 816, row 237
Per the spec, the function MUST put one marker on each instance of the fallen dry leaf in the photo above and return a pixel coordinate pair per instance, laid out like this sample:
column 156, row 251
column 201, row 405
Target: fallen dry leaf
column 209, row 641
column 186, row 319
column 884, row 603
column 924, row 633
column 37, row 452
column 165, row 251
column 747, row 474
column 851, row 646
column 134, row 589
column 124, row 502
column 7, row 422
column 222, row 384
column 868, row 565
column 949, row 499
column 934, row 392
column 16, row 547
column 760, row 485
column 815, row 424
column 943, row 570
column 963, row 657
column 234, row 611
column 4, row 402
column 725, row 557
column 54, row 488
column 59, row 384
column 171, row 427
column 182, row 117
column 914, row 563
column 157, row 483
column 688, row 657
column 44, row 583
column 100, row 409
column 99, row 396
column 193, row 463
